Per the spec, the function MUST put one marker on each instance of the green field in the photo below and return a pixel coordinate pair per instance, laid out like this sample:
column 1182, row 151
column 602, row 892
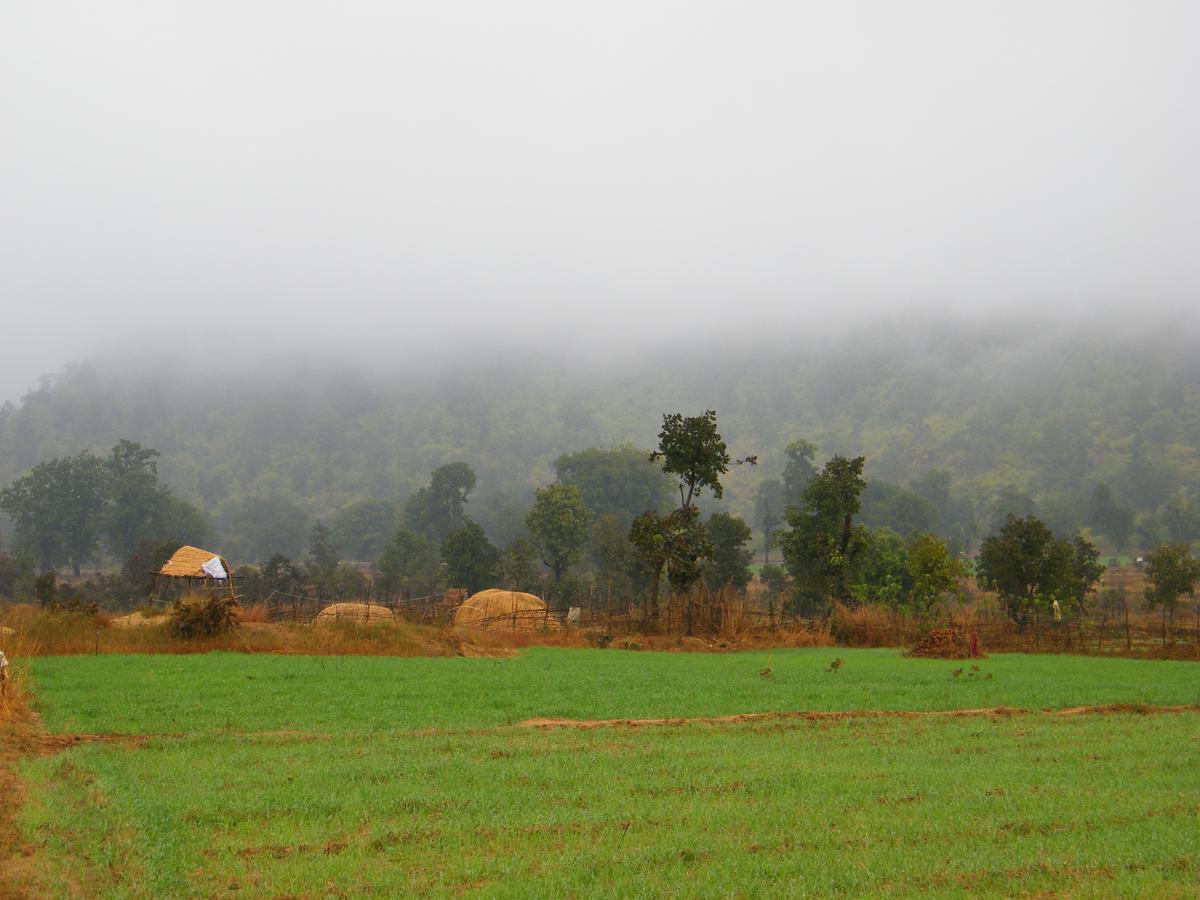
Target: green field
column 308, row 776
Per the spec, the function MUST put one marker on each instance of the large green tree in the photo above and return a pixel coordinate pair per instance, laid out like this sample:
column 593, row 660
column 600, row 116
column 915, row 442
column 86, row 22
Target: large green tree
column 934, row 572
column 823, row 540
column 58, row 509
column 617, row 563
column 558, row 522
column 322, row 551
column 86, row 484
column 35, row 503
column 321, row 561
column 1080, row 573
column 886, row 505
column 410, row 564
column 1171, row 572
column 136, row 499
column 471, row 560
column 280, row 575
column 438, row 509
column 798, row 470
column 692, row 450
column 519, row 566
column 769, row 507
column 16, row 576
column 1024, row 564
column 728, row 564
column 879, row 571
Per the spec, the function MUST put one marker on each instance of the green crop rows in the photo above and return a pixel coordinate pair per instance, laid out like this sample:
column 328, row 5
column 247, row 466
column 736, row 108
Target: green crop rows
column 305, row 776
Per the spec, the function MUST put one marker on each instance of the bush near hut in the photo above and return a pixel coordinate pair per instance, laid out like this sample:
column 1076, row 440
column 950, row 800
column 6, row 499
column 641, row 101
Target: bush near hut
column 199, row 616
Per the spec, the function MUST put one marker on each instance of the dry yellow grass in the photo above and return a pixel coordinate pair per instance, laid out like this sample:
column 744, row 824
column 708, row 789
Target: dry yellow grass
column 137, row 620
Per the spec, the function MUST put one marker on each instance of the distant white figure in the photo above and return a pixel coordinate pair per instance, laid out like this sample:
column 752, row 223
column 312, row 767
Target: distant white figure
column 1057, row 612
column 3, row 669
column 573, row 615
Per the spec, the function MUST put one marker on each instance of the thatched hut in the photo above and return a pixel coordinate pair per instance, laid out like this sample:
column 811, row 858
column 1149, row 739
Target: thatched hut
column 495, row 608
column 193, row 568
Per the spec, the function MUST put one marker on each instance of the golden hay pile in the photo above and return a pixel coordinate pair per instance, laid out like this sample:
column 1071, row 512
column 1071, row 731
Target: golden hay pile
column 504, row 609
column 137, row 620
column 353, row 612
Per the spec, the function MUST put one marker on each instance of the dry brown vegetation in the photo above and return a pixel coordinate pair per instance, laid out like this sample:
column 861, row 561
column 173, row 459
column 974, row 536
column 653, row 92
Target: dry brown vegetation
column 40, row 633
column 707, row 622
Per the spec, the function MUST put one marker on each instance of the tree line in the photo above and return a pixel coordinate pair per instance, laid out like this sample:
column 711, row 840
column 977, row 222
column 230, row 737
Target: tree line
column 621, row 524
column 963, row 425
column 68, row 511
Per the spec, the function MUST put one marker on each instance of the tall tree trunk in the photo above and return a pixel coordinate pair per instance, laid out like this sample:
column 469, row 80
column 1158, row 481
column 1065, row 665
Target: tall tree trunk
column 652, row 614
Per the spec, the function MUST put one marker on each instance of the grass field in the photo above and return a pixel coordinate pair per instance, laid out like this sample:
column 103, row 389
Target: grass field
column 307, row 776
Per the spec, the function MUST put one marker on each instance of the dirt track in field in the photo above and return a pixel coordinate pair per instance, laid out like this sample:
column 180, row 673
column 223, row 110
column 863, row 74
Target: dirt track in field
column 21, row 736
column 818, row 716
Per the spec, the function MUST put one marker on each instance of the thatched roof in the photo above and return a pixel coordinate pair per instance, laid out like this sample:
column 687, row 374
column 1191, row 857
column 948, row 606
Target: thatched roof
column 188, row 562
column 504, row 609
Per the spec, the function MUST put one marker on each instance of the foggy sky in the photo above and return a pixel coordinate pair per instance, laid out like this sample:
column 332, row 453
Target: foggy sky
column 378, row 176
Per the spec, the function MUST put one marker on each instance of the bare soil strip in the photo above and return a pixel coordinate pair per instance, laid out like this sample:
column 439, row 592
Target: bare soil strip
column 822, row 716
column 21, row 736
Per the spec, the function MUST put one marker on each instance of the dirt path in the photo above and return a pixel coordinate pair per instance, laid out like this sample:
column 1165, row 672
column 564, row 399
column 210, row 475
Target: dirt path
column 820, row 716
column 22, row 736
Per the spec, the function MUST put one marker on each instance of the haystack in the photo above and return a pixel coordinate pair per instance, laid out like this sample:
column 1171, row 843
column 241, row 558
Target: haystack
column 137, row 620
column 504, row 609
column 5, row 631
column 353, row 612
column 947, row 643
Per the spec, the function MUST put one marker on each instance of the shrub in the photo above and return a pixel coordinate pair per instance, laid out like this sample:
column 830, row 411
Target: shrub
column 202, row 616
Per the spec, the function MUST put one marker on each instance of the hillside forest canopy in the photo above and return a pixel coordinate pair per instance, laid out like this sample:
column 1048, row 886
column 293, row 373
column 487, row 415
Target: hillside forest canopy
column 936, row 431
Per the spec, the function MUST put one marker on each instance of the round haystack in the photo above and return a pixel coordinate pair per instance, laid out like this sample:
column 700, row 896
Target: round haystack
column 137, row 620
column 495, row 608
column 353, row 612
column 947, row 643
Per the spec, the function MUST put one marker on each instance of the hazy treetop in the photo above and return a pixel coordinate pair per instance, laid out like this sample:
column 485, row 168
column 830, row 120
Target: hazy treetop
column 453, row 173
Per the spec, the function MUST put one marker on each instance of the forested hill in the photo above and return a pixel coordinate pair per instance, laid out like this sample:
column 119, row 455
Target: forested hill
column 1017, row 417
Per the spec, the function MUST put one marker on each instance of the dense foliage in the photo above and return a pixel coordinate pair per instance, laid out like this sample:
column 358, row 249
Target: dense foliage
column 1017, row 424
column 529, row 482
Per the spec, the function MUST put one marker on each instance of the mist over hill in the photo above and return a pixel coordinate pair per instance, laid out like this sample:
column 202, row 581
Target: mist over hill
column 1026, row 416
